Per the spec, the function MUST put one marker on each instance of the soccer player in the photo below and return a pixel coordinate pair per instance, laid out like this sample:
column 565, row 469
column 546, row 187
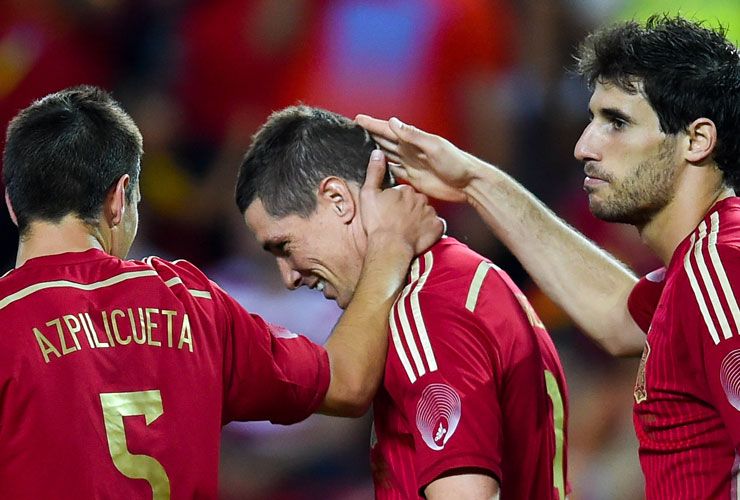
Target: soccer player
column 662, row 153
column 116, row 376
column 474, row 399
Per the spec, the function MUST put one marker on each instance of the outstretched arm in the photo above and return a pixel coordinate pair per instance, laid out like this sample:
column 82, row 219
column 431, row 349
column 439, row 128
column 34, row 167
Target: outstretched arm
column 357, row 346
column 588, row 283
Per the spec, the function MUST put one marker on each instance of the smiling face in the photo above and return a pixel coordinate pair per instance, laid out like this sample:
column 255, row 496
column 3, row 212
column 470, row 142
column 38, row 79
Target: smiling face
column 317, row 251
column 631, row 166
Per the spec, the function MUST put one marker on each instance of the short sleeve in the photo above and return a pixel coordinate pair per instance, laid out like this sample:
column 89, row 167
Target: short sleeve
column 270, row 373
column 710, row 310
column 452, row 408
column 644, row 298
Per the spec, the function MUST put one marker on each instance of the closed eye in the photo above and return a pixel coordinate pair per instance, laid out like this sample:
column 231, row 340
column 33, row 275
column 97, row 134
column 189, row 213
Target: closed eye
column 278, row 248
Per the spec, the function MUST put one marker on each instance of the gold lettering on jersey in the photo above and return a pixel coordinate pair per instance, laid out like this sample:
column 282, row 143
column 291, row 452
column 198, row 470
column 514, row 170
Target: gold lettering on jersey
column 46, row 346
column 118, row 313
column 185, row 337
column 60, row 333
column 532, row 317
column 151, row 325
column 106, row 325
column 640, row 393
column 87, row 320
column 169, row 314
column 121, row 326
column 86, row 329
column 139, row 338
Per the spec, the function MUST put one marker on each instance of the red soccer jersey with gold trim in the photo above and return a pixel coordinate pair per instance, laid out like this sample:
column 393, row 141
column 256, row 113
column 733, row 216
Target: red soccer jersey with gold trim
column 687, row 395
column 472, row 381
column 116, row 376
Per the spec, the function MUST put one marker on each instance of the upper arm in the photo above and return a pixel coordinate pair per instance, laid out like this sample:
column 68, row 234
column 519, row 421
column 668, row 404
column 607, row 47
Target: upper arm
column 446, row 388
column 269, row 372
column 638, row 312
column 463, row 486
column 710, row 311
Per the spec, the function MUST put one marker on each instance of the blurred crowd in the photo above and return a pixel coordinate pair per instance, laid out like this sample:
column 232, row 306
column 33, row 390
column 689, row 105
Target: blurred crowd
column 199, row 76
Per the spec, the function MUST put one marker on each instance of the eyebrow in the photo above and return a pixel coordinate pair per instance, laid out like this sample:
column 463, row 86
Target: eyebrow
column 614, row 113
column 273, row 244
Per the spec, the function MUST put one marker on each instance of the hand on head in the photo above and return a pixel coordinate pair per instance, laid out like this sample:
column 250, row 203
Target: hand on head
column 399, row 212
column 430, row 163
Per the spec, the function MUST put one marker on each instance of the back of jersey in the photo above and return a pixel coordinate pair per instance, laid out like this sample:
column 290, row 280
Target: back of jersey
column 111, row 380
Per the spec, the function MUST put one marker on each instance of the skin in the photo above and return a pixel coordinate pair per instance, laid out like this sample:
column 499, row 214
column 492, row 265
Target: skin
column 334, row 259
column 358, row 344
column 114, row 233
column 633, row 172
column 328, row 247
column 362, row 269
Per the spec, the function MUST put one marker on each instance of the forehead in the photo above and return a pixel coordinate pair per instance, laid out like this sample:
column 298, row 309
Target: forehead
column 268, row 229
column 610, row 96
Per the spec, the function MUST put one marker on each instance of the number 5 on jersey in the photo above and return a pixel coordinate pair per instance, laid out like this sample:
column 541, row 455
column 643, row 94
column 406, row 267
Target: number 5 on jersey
column 117, row 405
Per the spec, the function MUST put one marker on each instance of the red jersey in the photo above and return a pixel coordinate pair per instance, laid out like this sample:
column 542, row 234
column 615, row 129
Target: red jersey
column 116, row 376
column 472, row 381
column 687, row 395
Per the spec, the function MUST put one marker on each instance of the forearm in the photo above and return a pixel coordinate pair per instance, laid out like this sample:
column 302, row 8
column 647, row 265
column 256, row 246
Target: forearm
column 358, row 345
column 467, row 486
column 588, row 283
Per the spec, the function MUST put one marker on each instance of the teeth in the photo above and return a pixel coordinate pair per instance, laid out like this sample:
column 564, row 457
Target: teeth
column 320, row 286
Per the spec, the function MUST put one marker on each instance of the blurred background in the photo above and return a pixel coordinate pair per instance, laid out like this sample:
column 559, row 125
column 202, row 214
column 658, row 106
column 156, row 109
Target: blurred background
column 199, row 76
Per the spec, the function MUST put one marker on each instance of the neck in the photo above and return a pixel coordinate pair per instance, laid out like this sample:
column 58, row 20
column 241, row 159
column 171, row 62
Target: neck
column 698, row 189
column 47, row 238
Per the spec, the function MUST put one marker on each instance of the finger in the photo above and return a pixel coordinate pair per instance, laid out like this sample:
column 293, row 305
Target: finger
column 394, row 158
column 375, row 126
column 385, row 144
column 375, row 171
column 398, row 171
column 409, row 133
column 444, row 224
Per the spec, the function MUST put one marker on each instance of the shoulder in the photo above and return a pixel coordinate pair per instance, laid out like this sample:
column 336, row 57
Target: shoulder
column 705, row 271
column 644, row 298
column 179, row 275
column 453, row 273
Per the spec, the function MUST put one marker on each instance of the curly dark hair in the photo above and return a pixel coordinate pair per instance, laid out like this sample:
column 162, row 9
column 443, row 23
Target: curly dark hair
column 685, row 69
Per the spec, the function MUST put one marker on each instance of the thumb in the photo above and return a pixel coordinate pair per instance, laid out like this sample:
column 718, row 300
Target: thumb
column 375, row 171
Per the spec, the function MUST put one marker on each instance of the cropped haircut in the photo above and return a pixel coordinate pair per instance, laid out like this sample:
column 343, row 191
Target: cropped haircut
column 293, row 152
column 685, row 70
column 65, row 151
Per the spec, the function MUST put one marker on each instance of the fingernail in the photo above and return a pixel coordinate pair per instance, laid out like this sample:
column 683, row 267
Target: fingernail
column 376, row 155
column 396, row 122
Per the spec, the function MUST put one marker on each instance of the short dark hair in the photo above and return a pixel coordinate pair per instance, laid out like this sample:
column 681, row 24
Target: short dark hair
column 65, row 151
column 687, row 71
column 293, row 152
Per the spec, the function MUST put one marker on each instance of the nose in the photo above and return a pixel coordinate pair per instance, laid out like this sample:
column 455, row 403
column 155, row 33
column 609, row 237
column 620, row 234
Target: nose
column 291, row 278
column 585, row 149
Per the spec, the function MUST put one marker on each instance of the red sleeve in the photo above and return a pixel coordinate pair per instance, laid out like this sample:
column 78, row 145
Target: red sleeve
column 710, row 311
column 269, row 372
column 452, row 409
column 644, row 298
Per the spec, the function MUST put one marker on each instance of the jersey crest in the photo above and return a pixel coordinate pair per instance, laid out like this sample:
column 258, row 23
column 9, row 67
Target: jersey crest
column 437, row 414
column 640, row 390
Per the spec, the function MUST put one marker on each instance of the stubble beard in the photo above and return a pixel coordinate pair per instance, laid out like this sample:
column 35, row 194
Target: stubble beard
column 637, row 198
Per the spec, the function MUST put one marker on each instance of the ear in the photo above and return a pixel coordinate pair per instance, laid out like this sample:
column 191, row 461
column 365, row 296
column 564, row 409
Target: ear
column 702, row 138
column 337, row 195
column 10, row 208
column 115, row 201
